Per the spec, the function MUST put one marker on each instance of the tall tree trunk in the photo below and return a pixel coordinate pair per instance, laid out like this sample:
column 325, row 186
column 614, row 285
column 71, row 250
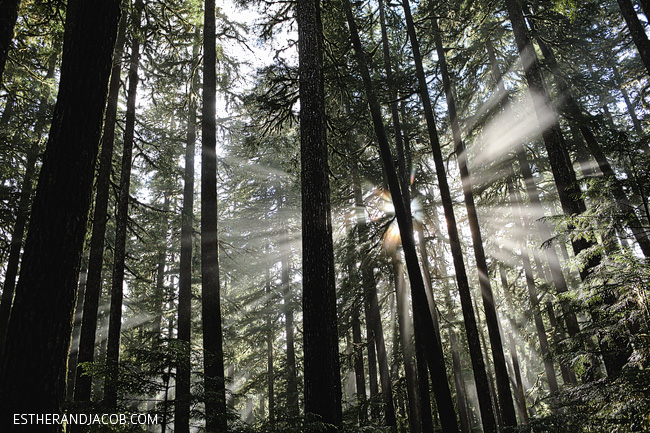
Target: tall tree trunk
column 322, row 376
column 121, row 219
column 478, row 366
column 636, row 30
column 423, row 323
column 521, row 396
column 213, row 362
column 32, row 377
column 507, row 408
column 8, row 17
column 24, row 199
column 87, row 336
column 184, row 367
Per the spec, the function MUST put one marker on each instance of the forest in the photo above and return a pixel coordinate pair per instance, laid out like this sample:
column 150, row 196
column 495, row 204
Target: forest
column 328, row 216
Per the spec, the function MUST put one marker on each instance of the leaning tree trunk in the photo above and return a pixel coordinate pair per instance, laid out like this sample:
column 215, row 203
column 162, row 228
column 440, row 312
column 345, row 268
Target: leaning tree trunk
column 423, row 323
column 32, row 377
column 213, row 363
column 478, row 366
column 637, row 31
column 508, row 416
column 87, row 336
column 121, row 219
column 183, row 366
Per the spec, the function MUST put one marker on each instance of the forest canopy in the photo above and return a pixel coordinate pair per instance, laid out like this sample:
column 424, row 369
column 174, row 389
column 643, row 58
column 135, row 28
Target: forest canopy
column 325, row 216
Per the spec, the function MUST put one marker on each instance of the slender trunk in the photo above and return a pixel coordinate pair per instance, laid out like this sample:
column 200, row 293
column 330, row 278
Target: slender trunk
column 213, row 362
column 568, row 376
column 184, row 367
column 507, row 408
column 322, row 376
column 636, row 30
column 424, row 329
column 372, row 366
column 87, row 337
column 32, row 379
column 115, row 318
column 406, row 340
column 8, row 17
column 478, row 366
column 24, row 199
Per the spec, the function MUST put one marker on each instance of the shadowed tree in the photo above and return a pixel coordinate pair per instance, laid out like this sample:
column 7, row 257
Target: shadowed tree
column 33, row 366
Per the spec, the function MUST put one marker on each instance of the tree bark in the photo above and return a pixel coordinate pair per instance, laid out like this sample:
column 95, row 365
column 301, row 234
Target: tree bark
column 32, row 376
column 184, row 366
column 322, row 376
column 87, row 337
column 213, row 362
column 121, row 219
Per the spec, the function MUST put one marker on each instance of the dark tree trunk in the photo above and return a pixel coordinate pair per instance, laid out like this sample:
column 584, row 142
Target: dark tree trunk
column 32, row 377
column 322, row 376
column 636, row 30
column 121, row 219
column 507, row 408
column 424, row 329
column 184, row 367
column 83, row 383
column 478, row 365
column 159, row 289
column 213, row 362
column 8, row 17
column 521, row 396
column 568, row 376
